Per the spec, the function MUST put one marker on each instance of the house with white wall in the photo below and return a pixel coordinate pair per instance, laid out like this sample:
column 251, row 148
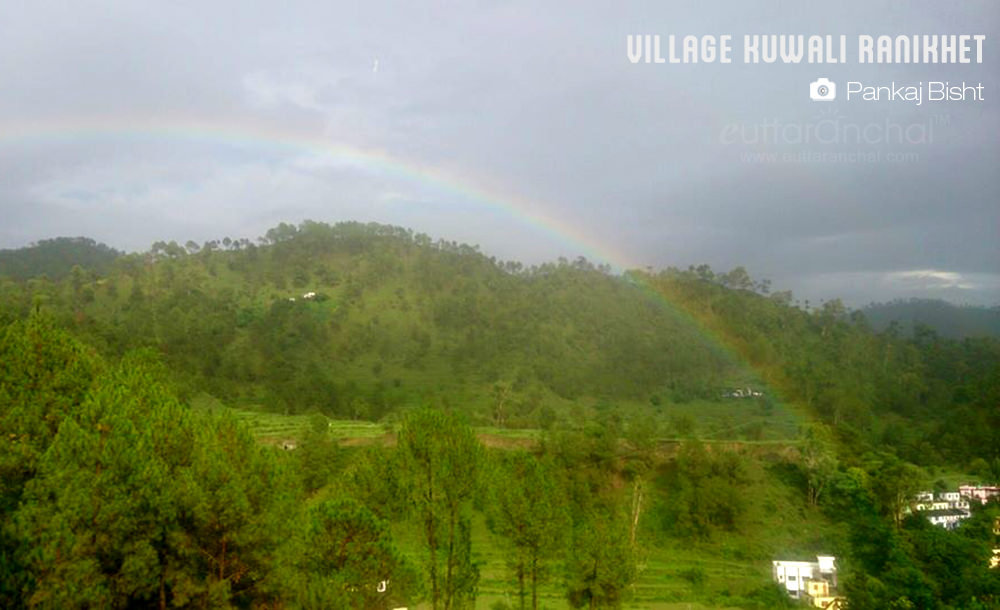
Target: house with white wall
column 948, row 518
column 945, row 510
column 807, row 579
column 924, row 496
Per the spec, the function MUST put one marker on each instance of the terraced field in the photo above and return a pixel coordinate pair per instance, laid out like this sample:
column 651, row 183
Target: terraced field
column 744, row 419
column 274, row 427
column 665, row 577
column 718, row 574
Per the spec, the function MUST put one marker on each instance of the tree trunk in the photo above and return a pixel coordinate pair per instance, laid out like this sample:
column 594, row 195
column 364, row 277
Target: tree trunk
column 222, row 561
column 636, row 510
column 449, row 586
column 163, row 591
column 520, row 585
column 534, row 582
column 432, row 543
column 431, row 531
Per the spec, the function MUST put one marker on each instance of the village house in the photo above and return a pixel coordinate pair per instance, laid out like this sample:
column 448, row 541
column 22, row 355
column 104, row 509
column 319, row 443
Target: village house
column 937, row 505
column 983, row 493
column 948, row 518
column 811, row 581
column 960, row 503
column 947, row 510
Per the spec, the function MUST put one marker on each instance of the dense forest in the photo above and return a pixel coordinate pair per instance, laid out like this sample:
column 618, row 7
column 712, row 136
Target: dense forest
column 395, row 318
column 117, row 492
column 55, row 258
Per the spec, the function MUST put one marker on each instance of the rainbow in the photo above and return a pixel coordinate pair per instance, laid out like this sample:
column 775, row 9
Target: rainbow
column 477, row 190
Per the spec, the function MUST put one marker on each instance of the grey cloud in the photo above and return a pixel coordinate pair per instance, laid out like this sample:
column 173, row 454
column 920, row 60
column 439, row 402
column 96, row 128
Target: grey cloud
column 535, row 101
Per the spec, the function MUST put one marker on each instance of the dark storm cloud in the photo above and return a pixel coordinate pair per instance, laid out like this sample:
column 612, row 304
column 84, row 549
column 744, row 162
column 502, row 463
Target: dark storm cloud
column 534, row 102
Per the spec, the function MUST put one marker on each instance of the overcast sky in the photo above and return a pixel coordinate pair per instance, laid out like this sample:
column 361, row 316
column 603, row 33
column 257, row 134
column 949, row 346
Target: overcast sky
column 518, row 126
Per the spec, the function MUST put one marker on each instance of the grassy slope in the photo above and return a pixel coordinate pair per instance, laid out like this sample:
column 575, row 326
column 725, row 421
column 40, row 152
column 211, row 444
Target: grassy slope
column 721, row 421
column 777, row 523
column 732, row 565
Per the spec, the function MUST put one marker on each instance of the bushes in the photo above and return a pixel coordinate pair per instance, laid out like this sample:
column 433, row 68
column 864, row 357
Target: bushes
column 704, row 493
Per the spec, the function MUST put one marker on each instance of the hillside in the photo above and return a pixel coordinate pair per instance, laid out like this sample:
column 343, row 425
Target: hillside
column 659, row 436
column 929, row 399
column 390, row 320
column 365, row 321
column 56, row 258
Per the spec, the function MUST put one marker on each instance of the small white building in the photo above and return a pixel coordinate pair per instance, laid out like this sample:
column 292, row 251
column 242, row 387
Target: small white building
column 946, row 511
column 948, row 518
column 795, row 576
column 950, row 496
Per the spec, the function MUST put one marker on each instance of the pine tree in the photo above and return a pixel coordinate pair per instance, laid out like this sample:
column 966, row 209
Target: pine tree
column 442, row 455
column 527, row 508
column 601, row 566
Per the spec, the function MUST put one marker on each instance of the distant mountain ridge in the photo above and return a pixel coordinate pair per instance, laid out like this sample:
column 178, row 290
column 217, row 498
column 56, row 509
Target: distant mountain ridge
column 55, row 258
column 944, row 318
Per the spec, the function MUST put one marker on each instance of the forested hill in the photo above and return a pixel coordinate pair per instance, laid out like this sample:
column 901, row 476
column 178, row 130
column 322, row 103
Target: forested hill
column 930, row 399
column 942, row 317
column 360, row 321
column 56, row 258
column 671, row 416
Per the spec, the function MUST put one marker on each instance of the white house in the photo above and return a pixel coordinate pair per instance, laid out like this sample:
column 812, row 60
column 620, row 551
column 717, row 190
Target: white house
column 947, row 518
column 946, row 511
column 795, row 576
column 950, row 496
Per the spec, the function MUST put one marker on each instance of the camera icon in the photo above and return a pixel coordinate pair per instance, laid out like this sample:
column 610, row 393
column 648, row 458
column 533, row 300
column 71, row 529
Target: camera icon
column 822, row 90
